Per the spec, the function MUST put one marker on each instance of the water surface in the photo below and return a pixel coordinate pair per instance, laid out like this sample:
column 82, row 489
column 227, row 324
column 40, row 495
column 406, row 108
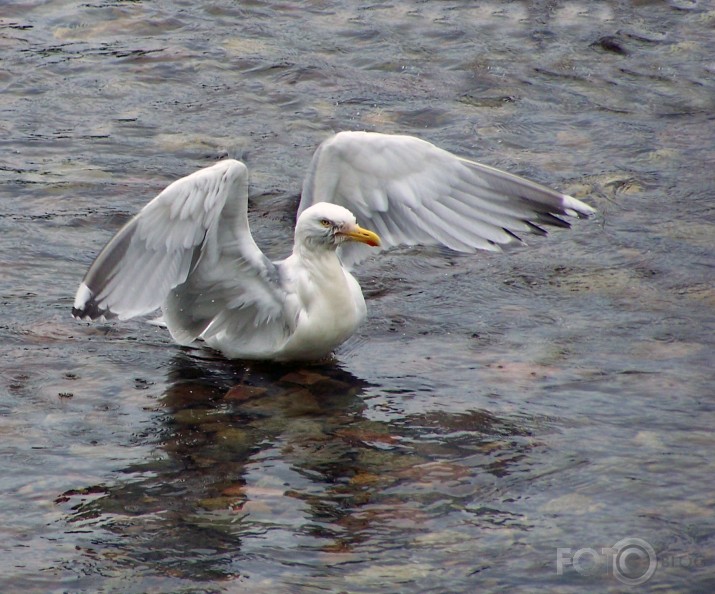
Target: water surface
column 494, row 410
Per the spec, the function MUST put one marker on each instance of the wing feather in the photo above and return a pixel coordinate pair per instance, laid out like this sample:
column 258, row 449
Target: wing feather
column 412, row 192
column 132, row 274
column 190, row 252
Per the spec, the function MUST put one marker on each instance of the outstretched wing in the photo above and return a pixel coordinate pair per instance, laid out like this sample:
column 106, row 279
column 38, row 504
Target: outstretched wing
column 411, row 192
column 189, row 251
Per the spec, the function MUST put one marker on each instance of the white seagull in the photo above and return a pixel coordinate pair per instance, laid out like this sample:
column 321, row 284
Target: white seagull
column 190, row 251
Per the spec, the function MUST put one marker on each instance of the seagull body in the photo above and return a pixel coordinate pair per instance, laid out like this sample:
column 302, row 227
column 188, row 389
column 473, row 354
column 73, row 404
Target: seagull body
column 190, row 251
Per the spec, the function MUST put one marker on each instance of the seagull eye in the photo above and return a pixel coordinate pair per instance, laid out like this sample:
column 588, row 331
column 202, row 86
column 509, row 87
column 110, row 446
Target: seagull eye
column 325, row 223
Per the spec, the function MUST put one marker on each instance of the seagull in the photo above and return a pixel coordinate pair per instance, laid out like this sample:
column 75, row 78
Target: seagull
column 190, row 253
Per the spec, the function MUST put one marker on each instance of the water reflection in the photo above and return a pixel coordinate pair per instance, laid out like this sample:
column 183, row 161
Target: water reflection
column 271, row 466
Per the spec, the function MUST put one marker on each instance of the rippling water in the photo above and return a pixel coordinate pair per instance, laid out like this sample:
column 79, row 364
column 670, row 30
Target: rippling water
column 499, row 420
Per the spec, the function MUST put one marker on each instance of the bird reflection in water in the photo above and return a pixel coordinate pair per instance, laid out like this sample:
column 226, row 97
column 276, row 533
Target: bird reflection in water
column 287, row 463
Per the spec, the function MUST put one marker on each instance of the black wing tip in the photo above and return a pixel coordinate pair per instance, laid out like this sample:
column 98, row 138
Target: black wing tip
column 513, row 236
column 552, row 215
column 92, row 312
column 550, row 219
column 86, row 307
column 573, row 207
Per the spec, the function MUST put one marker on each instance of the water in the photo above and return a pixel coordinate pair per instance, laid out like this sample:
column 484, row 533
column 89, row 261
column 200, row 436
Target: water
column 498, row 417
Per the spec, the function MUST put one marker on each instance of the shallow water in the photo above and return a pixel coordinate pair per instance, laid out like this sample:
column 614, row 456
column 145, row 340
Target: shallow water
column 497, row 418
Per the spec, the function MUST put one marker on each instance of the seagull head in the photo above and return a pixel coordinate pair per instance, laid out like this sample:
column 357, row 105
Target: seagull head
column 326, row 226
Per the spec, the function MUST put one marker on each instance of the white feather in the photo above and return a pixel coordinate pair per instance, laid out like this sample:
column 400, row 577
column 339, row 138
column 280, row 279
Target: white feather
column 190, row 250
column 380, row 176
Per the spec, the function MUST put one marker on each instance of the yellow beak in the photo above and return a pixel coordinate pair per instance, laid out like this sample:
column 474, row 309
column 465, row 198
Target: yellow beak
column 357, row 233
